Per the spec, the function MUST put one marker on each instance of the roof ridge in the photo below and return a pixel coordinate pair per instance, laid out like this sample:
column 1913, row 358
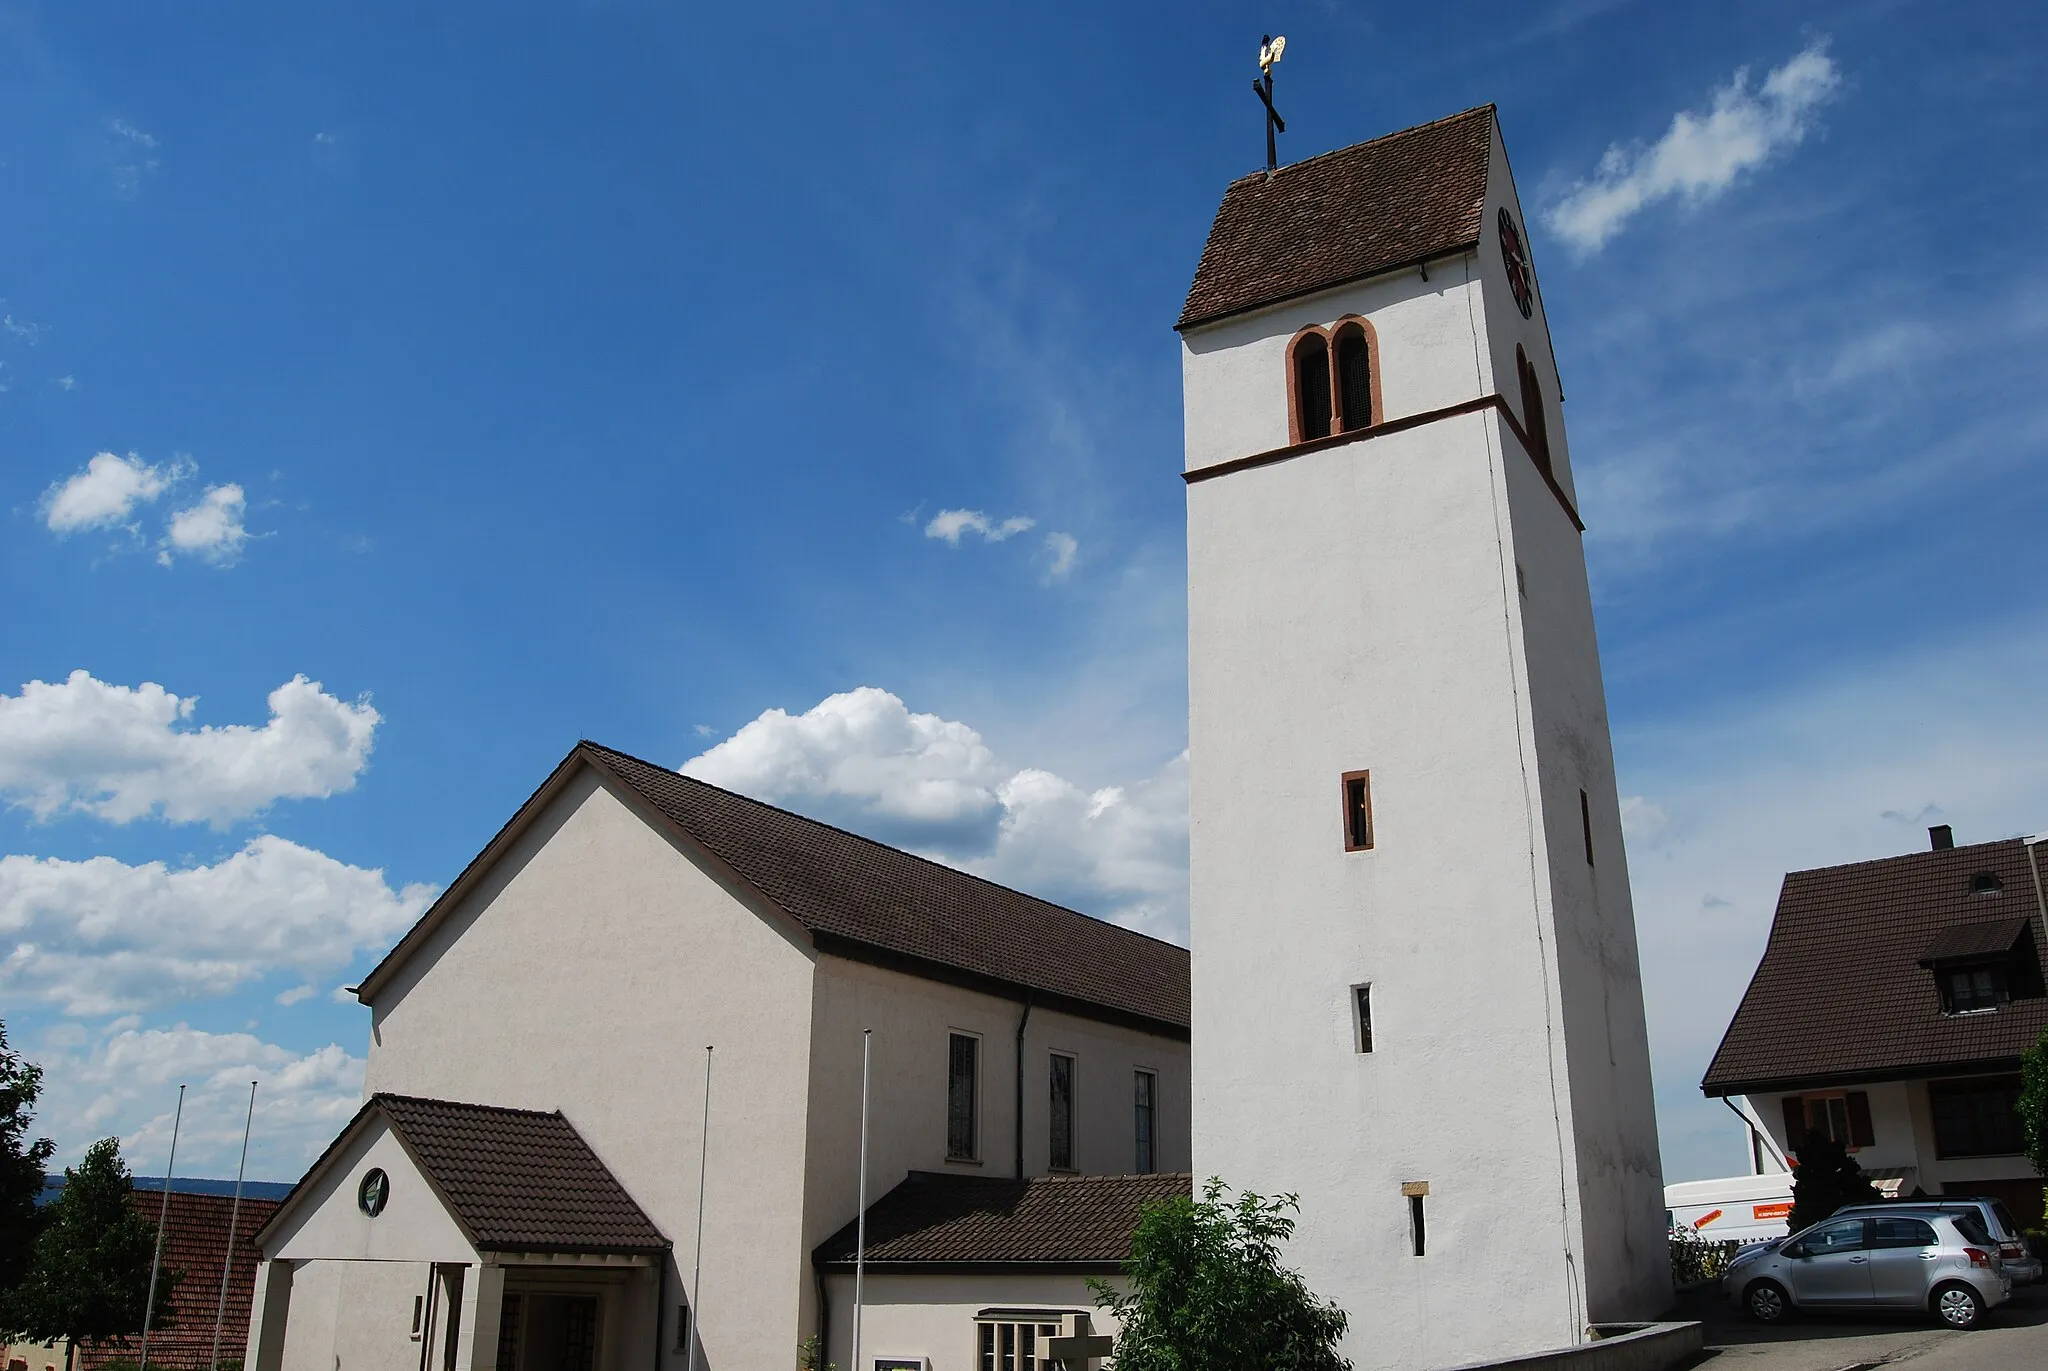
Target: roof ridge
column 1905, row 856
column 886, row 847
column 382, row 1096
column 1262, row 174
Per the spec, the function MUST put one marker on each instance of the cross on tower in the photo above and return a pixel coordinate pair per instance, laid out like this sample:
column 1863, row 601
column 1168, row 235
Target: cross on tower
column 1270, row 49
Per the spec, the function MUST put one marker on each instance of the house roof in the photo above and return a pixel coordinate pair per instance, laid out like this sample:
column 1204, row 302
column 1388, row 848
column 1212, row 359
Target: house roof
column 1346, row 215
column 196, row 1246
column 860, row 898
column 946, row 1220
column 1842, row 994
column 515, row 1180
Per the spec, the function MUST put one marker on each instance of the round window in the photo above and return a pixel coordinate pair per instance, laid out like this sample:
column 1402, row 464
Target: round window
column 373, row 1192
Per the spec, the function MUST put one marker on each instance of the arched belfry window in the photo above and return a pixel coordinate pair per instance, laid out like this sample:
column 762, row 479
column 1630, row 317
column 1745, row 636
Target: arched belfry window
column 1533, row 421
column 1355, row 368
column 1311, row 386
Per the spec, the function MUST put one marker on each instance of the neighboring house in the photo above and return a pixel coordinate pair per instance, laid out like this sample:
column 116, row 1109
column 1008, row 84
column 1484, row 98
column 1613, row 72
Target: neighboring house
column 195, row 1247
column 520, row 1191
column 1890, row 1010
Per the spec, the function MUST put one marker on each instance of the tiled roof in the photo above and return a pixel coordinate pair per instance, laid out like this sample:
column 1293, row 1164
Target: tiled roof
column 195, row 1244
column 981, row 1220
column 838, row 884
column 1841, row 992
column 1974, row 940
column 516, row 1180
column 1344, row 216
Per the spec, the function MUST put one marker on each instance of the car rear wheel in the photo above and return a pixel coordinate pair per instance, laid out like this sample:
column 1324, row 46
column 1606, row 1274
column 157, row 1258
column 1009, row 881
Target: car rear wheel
column 1767, row 1302
column 1957, row 1305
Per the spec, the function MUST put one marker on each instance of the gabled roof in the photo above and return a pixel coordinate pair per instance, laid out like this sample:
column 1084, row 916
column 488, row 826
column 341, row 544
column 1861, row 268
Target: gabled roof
column 196, row 1246
column 1396, row 201
column 514, row 1180
column 946, row 1220
column 1841, row 993
column 859, row 898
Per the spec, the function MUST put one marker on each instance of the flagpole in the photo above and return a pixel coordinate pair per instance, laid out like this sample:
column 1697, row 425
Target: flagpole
column 220, row 1309
column 697, row 1270
column 163, row 1215
column 860, row 1231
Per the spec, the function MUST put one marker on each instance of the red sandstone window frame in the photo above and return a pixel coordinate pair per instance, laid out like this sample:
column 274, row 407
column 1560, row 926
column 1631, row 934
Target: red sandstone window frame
column 1332, row 339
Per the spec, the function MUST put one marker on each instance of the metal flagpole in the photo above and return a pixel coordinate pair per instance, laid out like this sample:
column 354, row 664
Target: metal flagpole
column 697, row 1270
column 220, row 1309
column 860, row 1230
column 162, row 1217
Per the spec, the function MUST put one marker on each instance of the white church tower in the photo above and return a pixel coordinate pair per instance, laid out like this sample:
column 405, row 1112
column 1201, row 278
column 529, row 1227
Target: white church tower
column 1416, row 995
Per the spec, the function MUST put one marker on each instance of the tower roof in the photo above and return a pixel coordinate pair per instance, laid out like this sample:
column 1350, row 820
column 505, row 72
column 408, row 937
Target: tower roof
column 1343, row 216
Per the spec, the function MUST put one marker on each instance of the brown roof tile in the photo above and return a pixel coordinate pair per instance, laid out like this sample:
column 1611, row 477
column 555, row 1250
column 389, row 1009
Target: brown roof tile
column 195, row 1245
column 1974, row 940
column 840, row 885
column 1344, row 216
column 516, row 1180
column 979, row 1220
column 1841, row 992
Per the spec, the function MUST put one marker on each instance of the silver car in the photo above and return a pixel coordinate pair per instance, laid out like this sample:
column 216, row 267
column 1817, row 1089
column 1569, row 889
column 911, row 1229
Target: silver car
column 2023, row 1266
column 1945, row 1263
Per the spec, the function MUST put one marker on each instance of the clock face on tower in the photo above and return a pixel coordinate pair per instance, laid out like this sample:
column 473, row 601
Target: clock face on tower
column 1516, row 258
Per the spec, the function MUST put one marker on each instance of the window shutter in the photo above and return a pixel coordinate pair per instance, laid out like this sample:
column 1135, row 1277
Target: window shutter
column 1795, row 1122
column 1859, row 1120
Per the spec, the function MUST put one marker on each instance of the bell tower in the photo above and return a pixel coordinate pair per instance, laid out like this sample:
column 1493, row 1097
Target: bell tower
column 1416, row 995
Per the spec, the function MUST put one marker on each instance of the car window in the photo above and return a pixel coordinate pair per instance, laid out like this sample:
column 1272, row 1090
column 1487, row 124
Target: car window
column 1902, row 1233
column 2004, row 1217
column 1834, row 1237
column 1972, row 1228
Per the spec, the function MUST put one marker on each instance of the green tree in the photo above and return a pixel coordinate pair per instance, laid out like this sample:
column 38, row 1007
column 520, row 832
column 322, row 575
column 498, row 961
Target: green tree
column 1826, row 1179
column 21, row 1163
column 2033, row 1105
column 88, row 1274
column 1208, row 1292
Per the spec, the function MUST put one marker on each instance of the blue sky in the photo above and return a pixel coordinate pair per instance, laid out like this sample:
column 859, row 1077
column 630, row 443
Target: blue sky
column 795, row 390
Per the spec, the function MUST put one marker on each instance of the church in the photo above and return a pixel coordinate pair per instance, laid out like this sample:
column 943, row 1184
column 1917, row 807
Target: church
column 612, row 1114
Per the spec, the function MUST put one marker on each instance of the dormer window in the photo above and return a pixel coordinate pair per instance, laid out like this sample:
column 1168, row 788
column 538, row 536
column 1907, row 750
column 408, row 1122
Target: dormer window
column 1986, row 883
column 1333, row 383
column 1981, row 967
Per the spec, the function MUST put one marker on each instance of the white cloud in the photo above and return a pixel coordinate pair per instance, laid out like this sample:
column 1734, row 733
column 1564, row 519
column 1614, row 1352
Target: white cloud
column 106, row 493
column 211, row 529
column 1060, row 549
column 123, row 1082
column 27, row 330
column 1703, row 152
column 288, row 998
column 102, row 937
column 121, row 753
column 863, row 760
column 131, row 156
column 949, row 525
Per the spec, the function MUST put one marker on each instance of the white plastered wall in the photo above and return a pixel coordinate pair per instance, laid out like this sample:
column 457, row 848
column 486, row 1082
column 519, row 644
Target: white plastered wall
column 587, row 973
column 1902, row 1133
column 1619, row 1171
column 933, row 1316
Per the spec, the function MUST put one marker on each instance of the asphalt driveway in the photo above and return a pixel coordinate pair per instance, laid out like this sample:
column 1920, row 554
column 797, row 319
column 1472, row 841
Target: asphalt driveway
column 2014, row 1338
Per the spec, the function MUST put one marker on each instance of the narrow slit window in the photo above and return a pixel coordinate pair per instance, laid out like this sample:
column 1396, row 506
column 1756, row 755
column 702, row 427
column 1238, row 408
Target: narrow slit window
column 1361, row 1002
column 962, row 1096
column 1062, row 1158
column 1312, row 387
column 1354, row 379
column 419, row 1314
column 1357, row 811
column 1146, row 1107
column 1586, row 824
column 1416, row 1229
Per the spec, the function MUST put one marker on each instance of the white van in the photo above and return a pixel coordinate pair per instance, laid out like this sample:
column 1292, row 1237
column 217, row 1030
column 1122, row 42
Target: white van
column 1737, row 1209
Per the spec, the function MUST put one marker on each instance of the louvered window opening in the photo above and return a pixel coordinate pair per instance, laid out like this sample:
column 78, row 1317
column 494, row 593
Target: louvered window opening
column 1062, row 1113
column 1312, row 388
column 962, row 1091
column 1354, row 380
